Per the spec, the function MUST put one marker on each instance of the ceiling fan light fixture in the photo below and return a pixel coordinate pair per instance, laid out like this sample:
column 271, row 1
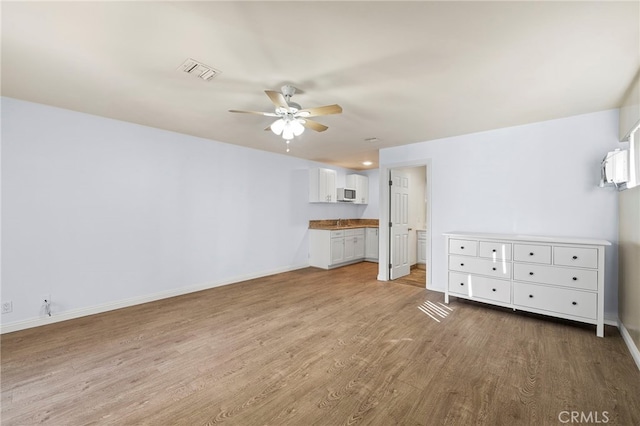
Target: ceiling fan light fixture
column 278, row 126
column 292, row 120
column 287, row 133
column 297, row 127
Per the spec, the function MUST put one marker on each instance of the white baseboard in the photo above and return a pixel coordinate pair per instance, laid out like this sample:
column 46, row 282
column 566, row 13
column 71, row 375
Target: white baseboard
column 611, row 321
column 635, row 352
column 98, row 309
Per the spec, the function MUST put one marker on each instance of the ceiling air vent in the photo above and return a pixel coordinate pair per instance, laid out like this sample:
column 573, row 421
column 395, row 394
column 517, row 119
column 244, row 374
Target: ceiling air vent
column 198, row 69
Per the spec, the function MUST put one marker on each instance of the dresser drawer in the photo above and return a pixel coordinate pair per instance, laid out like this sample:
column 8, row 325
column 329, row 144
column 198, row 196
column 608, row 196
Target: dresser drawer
column 494, row 250
column 563, row 301
column 337, row 234
column 532, row 253
column 575, row 256
column 491, row 289
column 458, row 283
column 475, row 265
column 567, row 277
column 474, row 286
column 463, row 247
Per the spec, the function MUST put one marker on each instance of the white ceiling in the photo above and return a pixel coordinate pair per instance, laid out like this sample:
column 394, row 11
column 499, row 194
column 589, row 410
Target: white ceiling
column 403, row 72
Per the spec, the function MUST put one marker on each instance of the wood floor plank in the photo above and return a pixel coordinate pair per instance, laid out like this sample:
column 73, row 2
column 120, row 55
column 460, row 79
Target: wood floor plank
column 315, row 347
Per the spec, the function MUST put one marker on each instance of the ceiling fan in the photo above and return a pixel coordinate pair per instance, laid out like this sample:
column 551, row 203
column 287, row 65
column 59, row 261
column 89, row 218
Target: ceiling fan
column 292, row 118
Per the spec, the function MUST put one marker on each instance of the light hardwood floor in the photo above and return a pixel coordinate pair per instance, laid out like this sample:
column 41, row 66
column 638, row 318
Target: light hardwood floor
column 315, row 347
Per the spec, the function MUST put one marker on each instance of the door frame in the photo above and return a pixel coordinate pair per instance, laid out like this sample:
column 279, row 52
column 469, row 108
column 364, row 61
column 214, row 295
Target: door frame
column 384, row 234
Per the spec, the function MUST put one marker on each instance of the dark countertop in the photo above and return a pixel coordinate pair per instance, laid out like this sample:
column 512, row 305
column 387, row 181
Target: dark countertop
column 332, row 224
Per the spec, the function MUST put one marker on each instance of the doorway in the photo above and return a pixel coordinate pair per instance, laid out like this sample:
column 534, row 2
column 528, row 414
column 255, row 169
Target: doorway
column 405, row 247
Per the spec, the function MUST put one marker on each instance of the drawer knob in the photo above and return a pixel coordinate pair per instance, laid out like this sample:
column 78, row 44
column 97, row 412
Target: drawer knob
column 494, row 250
column 575, row 257
column 493, row 289
column 575, row 278
column 530, row 273
column 531, row 254
column 461, row 283
column 493, row 269
column 574, row 303
column 461, row 247
column 531, row 296
column 462, row 264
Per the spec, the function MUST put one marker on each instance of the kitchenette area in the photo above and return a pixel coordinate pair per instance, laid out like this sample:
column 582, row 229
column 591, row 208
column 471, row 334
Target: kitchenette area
column 339, row 242
column 352, row 235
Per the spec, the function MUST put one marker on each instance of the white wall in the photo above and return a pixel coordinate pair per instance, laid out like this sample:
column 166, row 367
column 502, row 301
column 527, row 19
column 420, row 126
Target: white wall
column 99, row 213
column 538, row 179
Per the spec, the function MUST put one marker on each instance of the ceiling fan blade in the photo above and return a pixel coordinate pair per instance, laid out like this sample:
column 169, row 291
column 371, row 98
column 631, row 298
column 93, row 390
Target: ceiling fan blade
column 267, row 114
column 323, row 110
column 314, row 125
column 277, row 98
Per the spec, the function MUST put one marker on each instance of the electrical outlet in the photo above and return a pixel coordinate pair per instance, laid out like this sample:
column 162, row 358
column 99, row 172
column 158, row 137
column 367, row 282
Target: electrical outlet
column 7, row 307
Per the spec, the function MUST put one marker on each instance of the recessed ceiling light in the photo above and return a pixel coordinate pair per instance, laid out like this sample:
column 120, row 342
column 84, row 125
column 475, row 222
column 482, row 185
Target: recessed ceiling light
column 367, row 163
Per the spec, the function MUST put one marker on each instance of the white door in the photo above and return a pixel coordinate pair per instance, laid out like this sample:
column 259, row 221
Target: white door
column 399, row 214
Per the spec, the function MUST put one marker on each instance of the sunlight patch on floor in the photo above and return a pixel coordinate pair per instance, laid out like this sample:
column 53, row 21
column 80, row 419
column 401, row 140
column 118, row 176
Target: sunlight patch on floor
column 435, row 310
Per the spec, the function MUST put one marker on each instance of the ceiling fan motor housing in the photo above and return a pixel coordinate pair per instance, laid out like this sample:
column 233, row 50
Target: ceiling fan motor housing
column 288, row 91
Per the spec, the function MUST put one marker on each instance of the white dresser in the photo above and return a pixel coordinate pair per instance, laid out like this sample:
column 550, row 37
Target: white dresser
column 560, row 277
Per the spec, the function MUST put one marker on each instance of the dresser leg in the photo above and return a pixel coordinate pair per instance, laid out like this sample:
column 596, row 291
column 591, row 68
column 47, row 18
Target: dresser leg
column 446, row 298
column 600, row 329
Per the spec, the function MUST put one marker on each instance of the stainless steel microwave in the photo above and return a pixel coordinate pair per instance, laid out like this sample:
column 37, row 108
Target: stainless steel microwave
column 346, row 194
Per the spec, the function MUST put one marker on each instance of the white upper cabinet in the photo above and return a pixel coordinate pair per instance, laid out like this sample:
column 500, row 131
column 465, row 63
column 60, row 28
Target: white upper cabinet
column 361, row 185
column 322, row 185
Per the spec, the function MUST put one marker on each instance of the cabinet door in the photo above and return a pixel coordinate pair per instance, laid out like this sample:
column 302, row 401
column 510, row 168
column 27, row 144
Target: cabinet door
column 337, row 250
column 359, row 246
column 328, row 185
column 371, row 251
column 322, row 185
column 362, row 192
column 422, row 250
column 361, row 185
column 349, row 248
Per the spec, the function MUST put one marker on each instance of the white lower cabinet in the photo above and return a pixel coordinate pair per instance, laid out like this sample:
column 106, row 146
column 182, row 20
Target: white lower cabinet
column 422, row 247
column 337, row 248
column 560, row 277
column 371, row 245
column 354, row 244
column 332, row 248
